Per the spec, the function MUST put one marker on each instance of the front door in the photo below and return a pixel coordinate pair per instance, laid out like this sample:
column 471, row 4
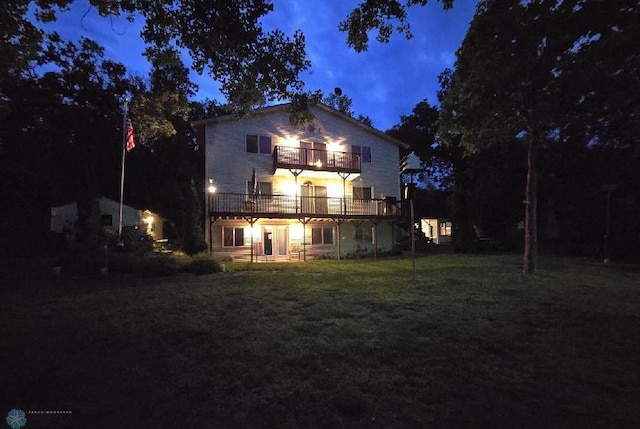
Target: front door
column 320, row 152
column 307, row 200
column 282, row 238
column 321, row 199
column 306, row 153
column 267, row 240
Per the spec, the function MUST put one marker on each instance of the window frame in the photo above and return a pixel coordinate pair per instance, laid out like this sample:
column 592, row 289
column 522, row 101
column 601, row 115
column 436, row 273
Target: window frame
column 362, row 193
column 324, row 233
column 444, row 228
column 235, row 237
column 363, row 151
column 106, row 219
column 261, row 185
column 256, row 143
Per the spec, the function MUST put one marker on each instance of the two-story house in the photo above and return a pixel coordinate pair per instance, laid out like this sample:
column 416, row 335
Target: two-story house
column 279, row 192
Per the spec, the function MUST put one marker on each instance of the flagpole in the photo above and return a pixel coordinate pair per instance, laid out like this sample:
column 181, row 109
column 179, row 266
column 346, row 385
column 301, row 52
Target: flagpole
column 124, row 152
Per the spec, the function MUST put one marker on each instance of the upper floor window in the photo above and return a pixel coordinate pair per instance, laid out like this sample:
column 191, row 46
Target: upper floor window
column 363, row 151
column 362, row 193
column 258, row 144
column 262, row 188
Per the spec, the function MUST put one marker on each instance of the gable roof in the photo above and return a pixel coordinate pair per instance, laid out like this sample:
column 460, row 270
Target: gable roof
column 197, row 125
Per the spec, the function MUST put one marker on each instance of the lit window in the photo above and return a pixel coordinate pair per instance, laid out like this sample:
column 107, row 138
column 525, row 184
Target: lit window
column 445, row 229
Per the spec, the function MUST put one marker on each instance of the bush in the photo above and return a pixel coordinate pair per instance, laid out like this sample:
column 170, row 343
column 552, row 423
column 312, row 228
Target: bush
column 203, row 264
column 134, row 240
column 157, row 265
column 123, row 263
column 84, row 257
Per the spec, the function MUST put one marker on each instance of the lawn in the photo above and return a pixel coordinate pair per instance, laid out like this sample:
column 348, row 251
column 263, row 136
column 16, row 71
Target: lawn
column 327, row 344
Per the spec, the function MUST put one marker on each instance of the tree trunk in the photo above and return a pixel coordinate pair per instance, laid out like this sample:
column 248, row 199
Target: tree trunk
column 531, row 205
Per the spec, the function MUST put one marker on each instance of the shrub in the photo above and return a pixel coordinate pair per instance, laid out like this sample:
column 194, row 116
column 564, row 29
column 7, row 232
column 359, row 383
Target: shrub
column 157, row 265
column 84, row 257
column 134, row 240
column 203, row 264
column 123, row 263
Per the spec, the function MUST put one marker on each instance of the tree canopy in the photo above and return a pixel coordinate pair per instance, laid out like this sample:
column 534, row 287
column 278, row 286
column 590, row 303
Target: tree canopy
column 542, row 72
column 385, row 16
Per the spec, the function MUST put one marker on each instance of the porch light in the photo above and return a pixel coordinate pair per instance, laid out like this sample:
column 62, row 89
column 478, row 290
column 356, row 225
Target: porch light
column 334, row 190
column 255, row 233
column 296, row 232
column 334, row 147
column 319, row 164
column 290, row 188
column 149, row 221
column 290, row 142
column 212, row 188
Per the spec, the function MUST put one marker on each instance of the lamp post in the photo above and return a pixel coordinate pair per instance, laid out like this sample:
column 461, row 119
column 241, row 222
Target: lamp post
column 211, row 189
column 411, row 164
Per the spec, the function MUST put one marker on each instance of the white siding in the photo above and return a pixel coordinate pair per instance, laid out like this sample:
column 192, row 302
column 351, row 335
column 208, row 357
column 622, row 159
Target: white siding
column 66, row 216
column 229, row 164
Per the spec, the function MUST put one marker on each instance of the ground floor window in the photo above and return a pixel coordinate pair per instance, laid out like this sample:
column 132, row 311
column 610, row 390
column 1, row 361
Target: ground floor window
column 445, row 229
column 232, row 237
column 106, row 220
column 322, row 235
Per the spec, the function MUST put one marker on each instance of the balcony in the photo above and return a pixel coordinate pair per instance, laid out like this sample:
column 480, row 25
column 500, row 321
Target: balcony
column 284, row 206
column 296, row 158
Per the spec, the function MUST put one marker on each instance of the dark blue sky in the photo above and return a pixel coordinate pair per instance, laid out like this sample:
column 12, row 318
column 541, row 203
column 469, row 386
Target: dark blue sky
column 385, row 82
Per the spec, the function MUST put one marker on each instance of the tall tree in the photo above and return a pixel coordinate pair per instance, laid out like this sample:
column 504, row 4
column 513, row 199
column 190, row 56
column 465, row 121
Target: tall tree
column 61, row 142
column 224, row 38
column 380, row 15
column 511, row 84
column 343, row 104
column 419, row 131
column 339, row 101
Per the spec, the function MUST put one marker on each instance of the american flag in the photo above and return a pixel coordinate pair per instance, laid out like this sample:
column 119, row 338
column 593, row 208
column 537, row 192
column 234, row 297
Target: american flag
column 130, row 138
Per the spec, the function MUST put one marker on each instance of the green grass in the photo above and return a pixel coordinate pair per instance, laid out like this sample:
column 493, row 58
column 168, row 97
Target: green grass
column 328, row 344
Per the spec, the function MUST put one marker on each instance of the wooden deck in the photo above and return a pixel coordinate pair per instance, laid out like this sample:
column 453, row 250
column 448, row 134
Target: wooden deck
column 284, row 206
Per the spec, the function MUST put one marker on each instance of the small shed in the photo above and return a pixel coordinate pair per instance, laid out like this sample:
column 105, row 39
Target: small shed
column 64, row 218
column 437, row 230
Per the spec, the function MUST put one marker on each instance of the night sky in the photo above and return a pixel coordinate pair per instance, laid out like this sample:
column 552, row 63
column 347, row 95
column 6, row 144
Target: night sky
column 385, row 82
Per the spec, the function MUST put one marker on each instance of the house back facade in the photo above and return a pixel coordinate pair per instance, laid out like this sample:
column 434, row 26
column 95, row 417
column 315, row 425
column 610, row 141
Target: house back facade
column 328, row 188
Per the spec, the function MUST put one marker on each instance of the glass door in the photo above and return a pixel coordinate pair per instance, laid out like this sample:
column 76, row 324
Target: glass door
column 282, row 237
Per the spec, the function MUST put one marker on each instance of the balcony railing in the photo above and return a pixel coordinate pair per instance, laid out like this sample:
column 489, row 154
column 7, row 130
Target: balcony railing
column 315, row 159
column 288, row 206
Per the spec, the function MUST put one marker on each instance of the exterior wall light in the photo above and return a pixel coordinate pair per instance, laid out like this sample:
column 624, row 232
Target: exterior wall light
column 211, row 188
